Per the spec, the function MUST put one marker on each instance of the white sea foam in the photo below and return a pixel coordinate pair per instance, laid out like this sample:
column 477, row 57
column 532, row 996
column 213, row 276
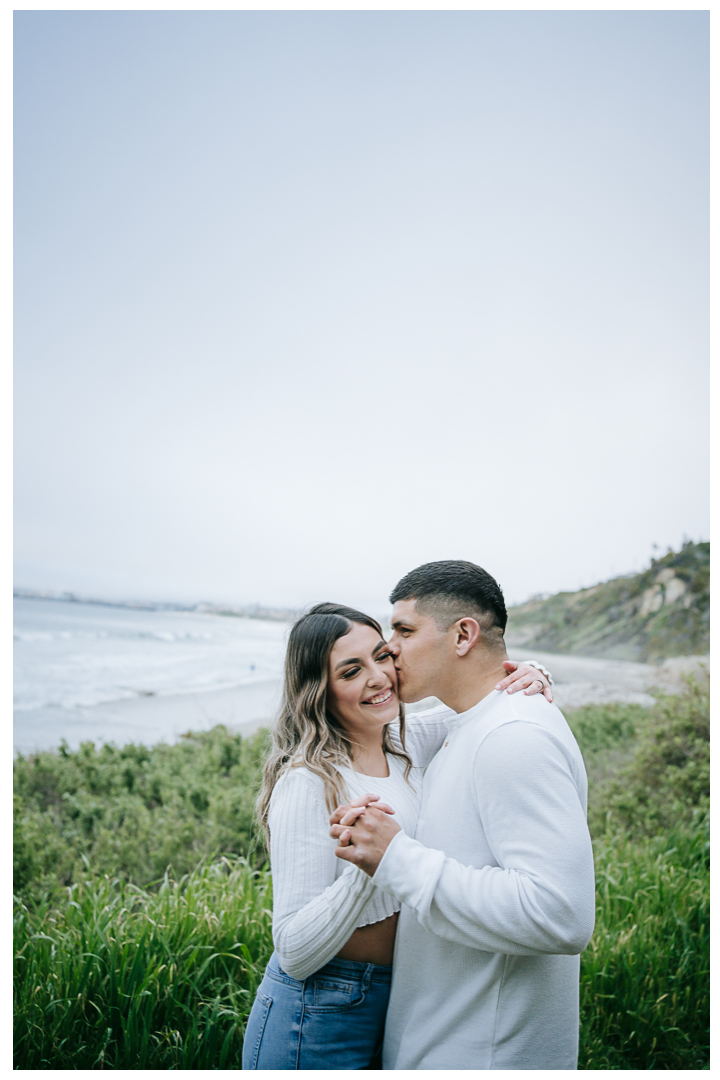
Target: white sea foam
column 72, row 655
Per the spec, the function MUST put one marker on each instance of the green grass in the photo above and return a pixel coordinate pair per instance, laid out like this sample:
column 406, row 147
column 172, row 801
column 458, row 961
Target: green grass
column 118, row 977
column 645, row 975
column 161, row 975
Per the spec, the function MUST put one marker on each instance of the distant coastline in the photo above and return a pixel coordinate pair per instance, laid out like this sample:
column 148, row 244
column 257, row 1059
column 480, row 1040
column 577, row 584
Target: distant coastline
column 249, row 611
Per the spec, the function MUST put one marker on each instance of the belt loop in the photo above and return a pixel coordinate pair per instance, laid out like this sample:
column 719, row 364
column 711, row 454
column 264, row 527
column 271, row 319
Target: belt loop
column 367, row 976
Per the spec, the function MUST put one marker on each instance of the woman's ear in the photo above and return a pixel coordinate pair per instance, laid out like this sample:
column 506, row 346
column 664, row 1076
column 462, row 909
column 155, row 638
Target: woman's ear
column 467, row 635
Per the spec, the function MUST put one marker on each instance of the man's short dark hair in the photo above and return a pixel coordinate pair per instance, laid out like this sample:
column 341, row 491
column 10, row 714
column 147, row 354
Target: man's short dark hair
column 454, row 589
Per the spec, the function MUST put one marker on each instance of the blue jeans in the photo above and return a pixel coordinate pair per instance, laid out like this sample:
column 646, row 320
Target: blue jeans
column 334, row 1019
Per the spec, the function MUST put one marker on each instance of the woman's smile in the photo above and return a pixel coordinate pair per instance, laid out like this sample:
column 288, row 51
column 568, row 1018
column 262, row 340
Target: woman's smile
column 380, row 699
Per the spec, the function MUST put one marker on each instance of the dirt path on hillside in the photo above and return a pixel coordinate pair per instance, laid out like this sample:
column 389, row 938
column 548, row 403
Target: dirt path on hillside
column 582, row 680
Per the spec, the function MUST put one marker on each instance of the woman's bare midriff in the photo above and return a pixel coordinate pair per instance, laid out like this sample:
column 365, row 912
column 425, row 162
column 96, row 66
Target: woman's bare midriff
column 371, row 944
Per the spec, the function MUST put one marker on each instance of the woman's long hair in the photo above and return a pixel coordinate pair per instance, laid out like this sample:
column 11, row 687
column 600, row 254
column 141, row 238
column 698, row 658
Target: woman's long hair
column 306, row 733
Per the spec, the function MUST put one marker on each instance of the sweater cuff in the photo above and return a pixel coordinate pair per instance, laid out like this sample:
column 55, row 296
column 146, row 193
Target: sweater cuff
column 541, row 667
column 409, row 871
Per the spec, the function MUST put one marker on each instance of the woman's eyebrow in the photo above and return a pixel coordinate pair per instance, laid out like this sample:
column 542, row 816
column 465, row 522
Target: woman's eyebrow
column 344, row 663
column 357, row 660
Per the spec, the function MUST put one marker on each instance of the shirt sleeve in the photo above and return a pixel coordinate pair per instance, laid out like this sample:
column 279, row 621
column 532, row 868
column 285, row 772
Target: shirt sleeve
column 425, row 733
column 540, row 897
column 313, row 913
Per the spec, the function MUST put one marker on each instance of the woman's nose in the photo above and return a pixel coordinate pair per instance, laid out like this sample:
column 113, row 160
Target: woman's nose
column 376, row 676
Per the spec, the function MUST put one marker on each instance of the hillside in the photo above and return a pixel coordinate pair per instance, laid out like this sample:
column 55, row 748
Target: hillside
column 662, row 612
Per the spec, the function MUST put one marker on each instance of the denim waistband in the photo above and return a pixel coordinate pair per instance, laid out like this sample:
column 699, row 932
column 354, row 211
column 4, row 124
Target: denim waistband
column 346, row 969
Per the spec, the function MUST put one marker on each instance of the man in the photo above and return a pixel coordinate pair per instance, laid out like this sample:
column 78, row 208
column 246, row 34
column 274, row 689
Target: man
column 497, row 887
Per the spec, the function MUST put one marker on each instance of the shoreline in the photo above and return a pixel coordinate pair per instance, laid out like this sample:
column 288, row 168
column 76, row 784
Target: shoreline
column 243, row 709
column 247, row 707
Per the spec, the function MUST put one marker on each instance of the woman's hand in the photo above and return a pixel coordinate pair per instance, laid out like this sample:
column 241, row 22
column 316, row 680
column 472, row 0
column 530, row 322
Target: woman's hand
column 524, row 677
column 348, row 815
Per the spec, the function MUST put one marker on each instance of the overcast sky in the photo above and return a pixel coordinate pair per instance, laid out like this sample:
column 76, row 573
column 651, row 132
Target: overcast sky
column 305, row 299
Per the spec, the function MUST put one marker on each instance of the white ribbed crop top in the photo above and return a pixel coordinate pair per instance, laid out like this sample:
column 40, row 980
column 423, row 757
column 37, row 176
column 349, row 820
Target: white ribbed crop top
column 318, row 900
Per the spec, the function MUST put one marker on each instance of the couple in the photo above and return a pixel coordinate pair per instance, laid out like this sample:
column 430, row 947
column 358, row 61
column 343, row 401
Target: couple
column 466, row 875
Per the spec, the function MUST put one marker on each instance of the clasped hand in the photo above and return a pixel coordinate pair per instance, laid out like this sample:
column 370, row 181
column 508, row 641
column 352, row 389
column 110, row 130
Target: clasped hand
column 363, row 830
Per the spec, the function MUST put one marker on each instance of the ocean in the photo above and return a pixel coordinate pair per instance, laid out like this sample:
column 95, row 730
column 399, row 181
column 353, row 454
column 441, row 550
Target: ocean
column 90, row 671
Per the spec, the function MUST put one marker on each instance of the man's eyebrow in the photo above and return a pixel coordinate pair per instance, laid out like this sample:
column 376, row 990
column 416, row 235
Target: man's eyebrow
column 402, row 622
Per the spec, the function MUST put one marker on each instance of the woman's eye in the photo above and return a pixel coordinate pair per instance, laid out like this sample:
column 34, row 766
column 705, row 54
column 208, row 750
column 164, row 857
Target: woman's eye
column 384, row 656
column 349, row 674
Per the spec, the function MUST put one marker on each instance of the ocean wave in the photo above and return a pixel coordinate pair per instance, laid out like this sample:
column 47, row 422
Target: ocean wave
column 90, row 698
column 88, row 658
column 170, row 636
column 59, row 635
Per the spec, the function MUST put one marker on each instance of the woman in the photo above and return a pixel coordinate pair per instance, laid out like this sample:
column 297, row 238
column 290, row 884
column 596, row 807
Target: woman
column 341, row 730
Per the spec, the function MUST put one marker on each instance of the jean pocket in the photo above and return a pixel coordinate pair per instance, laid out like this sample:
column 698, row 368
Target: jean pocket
column 255, row 1030
column 332, row 995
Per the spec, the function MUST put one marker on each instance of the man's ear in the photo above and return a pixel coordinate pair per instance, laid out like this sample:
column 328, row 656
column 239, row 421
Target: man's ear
column 467, row 634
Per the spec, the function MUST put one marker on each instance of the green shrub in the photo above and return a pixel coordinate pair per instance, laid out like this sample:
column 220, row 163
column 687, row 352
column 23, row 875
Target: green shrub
column 647, row 767
column 668, row 777
column 133, row 811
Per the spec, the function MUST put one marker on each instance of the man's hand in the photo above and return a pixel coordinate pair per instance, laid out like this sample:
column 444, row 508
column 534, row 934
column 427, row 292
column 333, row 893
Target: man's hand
column 524, row 677
column 365, row 842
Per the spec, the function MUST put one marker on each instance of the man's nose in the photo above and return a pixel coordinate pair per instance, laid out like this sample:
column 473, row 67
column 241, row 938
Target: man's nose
column 393, row 646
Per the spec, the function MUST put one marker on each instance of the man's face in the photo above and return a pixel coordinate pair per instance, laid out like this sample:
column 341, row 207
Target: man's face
column 421, row 651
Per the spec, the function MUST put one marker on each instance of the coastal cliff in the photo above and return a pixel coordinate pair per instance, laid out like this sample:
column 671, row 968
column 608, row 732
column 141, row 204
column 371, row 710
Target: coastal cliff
column 662, row 612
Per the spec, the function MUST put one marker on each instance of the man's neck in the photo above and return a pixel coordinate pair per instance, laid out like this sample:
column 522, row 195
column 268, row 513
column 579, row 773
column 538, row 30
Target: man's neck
column 471, row 684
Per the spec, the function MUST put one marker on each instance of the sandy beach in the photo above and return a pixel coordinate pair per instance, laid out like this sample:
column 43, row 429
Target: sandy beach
column 150, row 719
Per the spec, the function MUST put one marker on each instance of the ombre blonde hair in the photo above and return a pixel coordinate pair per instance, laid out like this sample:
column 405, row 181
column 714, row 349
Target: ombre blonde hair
column 305, row 732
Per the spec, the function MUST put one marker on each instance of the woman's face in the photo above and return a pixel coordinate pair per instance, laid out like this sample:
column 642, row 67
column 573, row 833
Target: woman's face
column 362, row 688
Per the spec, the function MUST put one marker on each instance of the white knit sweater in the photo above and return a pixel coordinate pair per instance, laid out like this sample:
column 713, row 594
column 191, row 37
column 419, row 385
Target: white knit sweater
column 497, row 897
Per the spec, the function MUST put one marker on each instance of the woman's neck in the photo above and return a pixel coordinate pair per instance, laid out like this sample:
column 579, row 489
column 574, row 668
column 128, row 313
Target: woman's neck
column 370, row 759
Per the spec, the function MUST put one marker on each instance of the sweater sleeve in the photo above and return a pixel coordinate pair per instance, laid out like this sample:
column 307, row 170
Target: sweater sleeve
column 539, row 898
column 313, row 913
column 425, row 733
